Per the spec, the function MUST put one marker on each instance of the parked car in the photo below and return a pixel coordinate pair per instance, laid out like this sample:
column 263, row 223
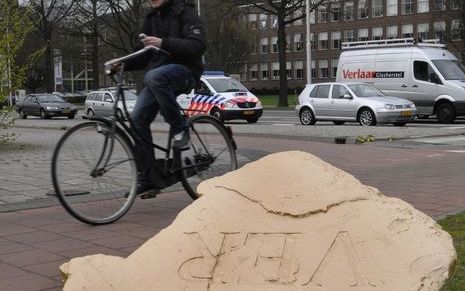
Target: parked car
column 100, row 103
column 341, row 102
column 45, row 106
column 425, row 73
column 223, row 97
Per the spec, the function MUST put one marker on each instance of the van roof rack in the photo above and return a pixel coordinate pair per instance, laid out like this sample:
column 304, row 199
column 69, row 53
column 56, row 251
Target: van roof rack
column 395, row 42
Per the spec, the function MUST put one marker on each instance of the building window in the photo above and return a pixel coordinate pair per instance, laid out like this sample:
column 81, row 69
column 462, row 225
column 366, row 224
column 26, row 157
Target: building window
column 456, row 29
column 253, row 21
column 439, row 5
column 264, row 45
column 406, row 7
column 439, row 30
column 298, row 15
column 378, row 8
column 392, row 32
column 348, row 10
column 274, row 44
column 288, row 43
column 264, row 71
column 423, row 6
column 334, row 67
column 312, row 17
column 323, row 41
column 299, row 42
column 377, row 33
column 299, row 69
column 313, row 69
column 322, row 15
column 275, row 70
column 349, row 35
column 392, row 7
column 274, row 21
column 407, row 30
column 362, row 9
column 423, row 30
column 454, row 4
column 335, row 39
column 324, row 70
column 363, row 34
column 289, row 70
column 253, row 70
column 244, row 73
column 253, row 48
column 263, row 21
column 335, row 11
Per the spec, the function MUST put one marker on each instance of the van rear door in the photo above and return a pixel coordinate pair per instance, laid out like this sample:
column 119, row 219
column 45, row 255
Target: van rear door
column 423, row 89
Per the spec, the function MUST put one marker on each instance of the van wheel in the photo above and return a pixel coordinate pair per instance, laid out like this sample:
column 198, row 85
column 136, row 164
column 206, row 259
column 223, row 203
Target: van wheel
column 217, row 113
column 445, row 113
column 366, row 117
column 337, row 122
column 306, row 116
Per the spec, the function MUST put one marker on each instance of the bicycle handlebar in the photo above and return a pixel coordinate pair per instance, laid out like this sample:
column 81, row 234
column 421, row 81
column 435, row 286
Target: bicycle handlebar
column 108, row 65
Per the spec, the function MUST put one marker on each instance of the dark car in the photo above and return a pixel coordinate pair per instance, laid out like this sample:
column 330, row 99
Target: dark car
column 45, row 106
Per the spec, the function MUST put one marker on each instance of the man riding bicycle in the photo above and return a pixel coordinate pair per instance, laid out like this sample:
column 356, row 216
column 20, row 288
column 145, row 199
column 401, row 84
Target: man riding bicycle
column 175, row 27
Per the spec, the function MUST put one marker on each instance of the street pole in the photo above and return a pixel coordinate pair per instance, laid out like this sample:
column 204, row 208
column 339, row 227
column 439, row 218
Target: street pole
column 198, row 6
column 309, row 45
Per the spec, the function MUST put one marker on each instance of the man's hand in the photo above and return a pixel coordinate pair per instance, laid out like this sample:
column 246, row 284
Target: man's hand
column 152, row 41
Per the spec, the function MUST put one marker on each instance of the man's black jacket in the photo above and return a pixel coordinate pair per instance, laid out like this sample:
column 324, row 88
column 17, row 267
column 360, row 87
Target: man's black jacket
column 183, row 35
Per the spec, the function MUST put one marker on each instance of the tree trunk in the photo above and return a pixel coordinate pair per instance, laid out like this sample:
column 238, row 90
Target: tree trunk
column 49, row 65
column 95, row 62
column 282, row 100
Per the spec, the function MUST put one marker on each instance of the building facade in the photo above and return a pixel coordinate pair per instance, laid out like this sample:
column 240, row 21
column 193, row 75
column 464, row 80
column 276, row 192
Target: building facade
column 345, row 21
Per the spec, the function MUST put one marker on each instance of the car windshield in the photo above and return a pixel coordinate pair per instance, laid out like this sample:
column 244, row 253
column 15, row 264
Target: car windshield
column 226, row 85
column 365, row 90
column 50, row 99
column 450, row 69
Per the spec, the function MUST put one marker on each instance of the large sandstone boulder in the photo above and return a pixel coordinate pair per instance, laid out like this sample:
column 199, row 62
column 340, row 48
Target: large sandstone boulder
column 289, row 221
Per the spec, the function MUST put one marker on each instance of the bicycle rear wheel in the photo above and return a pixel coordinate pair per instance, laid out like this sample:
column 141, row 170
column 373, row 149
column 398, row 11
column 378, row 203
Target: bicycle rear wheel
column 94, row 176
column 211, row 154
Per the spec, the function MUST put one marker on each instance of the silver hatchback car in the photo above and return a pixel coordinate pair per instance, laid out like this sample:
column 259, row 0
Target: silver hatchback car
column 341, row 102
column 100, row 103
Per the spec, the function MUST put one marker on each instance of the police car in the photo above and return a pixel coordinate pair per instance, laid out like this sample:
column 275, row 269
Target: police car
column 223, row 97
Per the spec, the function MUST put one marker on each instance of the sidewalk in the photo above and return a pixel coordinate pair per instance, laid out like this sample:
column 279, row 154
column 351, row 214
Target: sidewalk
column 37, row 235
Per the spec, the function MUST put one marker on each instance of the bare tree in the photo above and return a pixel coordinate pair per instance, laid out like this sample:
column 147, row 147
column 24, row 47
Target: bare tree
column 228, row 39
column 46, row 16
column 286, row 12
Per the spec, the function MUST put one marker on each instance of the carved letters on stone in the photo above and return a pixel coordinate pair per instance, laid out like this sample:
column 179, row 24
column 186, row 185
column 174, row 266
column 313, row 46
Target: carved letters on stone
column 269, row 259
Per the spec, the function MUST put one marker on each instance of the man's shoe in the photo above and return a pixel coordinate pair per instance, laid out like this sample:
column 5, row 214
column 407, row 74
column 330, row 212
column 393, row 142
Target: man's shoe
column 145, row 191
column 181, row 140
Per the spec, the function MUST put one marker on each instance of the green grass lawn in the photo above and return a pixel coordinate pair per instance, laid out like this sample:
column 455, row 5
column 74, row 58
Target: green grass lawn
column 455, row 226
column 272, row 100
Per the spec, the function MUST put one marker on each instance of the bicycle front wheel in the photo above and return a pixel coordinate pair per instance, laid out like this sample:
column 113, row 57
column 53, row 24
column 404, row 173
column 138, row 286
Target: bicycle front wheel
column 211, row 153
column 94, row 173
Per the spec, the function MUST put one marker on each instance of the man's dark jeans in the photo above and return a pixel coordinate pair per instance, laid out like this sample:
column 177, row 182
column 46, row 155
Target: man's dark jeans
column 162, row 85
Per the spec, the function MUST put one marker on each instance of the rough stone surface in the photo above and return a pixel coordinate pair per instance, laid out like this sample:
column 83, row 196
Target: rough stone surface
column 289, row 221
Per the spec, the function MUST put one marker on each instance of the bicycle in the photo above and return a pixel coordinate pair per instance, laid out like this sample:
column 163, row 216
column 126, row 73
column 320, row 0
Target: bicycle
column 94, row 169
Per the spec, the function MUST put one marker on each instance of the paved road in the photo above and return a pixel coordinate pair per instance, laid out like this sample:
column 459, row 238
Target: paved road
column 34, row 242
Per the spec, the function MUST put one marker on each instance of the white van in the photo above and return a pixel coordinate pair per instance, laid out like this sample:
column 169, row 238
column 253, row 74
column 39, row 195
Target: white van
column 223, row 97
column 425, row 73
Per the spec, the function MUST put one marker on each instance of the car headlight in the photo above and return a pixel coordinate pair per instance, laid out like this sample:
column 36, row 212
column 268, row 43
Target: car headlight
column 390, row 106
column 259, row 104
column 412, row 106
column 51, row 108
column 229, row 104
